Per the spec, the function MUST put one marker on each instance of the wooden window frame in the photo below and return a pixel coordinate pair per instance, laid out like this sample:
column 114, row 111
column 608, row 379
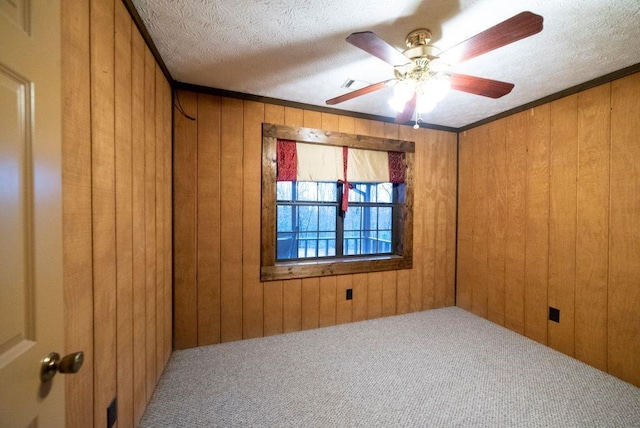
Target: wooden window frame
column 270, row 270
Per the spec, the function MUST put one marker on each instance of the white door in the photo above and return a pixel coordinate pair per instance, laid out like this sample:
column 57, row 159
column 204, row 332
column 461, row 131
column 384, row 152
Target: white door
column 31, row 294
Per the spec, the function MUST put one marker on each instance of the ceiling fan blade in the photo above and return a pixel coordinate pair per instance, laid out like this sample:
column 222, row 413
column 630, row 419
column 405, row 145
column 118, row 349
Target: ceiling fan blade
column 409, row 109
column 517, row 27
column 358, row 92
column 371, row 43
column 480, row 86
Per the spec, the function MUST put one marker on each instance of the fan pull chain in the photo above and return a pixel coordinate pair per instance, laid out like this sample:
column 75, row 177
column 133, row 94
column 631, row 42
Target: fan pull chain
column 418, row 120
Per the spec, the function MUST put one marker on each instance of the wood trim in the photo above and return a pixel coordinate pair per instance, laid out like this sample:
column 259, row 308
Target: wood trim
column 270, row 270
column 292, row 270
column 340, row 139
column 182, row 86
column 618, row 74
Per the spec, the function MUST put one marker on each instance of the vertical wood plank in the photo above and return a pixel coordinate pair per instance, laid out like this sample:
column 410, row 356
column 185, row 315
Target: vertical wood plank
column 292, row 307
column 184, row 209
column 389, row 290
column 592, row 226
column 563, row 153
column 624, row 245
column 428, row 195
column 124, row 215
column 252, row 294
column 137, row 206
column 327, row 315
column 480, row 222
column 273, row 308
column 537, row 217
column 77, row 230
column 344, row 307
column 360, row 297
column 452, row 206
column 231, row 214
column 103, row 204
column 497, row 208
column 374, row 295
column 159, row 207
column 403, row 283
column 440, row 221
column 516, row 140
column 416, row 275
column 310, row 303
column 465, row 222
column 208, row 219
column 281, row 309
column 150, row 216
column 168, row 222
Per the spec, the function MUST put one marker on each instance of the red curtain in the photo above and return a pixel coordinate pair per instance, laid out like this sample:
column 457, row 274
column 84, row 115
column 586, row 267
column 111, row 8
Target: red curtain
column 396, row 167
column 287, row 158
column 287, row 167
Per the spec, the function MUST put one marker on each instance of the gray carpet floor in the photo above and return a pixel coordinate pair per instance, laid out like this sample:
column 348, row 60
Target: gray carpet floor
column 441, row 368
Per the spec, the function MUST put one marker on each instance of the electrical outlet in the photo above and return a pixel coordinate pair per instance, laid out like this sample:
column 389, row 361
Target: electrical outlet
column 554, row 314
column 112, row 413
column 349, row 293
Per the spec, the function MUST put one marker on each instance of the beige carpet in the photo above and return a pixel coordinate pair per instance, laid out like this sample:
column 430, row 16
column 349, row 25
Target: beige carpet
column 444, row 368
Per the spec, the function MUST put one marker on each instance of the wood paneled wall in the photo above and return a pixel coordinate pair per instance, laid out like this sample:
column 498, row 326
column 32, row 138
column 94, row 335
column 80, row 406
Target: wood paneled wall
column 217, row 184
column 548, row 217
column 116, row 212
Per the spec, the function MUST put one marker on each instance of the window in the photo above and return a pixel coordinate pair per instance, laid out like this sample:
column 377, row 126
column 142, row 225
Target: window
column 311, row 225
column 305, row 230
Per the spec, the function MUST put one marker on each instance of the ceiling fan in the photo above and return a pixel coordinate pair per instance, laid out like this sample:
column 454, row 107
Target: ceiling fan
column 421, row 71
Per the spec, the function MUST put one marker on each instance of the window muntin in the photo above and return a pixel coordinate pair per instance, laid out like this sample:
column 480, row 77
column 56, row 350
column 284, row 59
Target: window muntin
column 310, row 224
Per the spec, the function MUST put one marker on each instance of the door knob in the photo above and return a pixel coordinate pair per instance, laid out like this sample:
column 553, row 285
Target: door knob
column 52, row 364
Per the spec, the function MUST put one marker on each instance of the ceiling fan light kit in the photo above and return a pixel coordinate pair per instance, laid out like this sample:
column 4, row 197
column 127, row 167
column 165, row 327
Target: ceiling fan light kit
column 422, row 77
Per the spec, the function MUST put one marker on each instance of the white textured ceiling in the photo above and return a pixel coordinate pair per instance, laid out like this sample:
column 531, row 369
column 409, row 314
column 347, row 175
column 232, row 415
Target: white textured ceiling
column 295, row 50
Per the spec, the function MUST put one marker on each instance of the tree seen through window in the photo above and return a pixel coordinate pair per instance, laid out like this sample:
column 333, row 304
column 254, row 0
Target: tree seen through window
column 310, row 223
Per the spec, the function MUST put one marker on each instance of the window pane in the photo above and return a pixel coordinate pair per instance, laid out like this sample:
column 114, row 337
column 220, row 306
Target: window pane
column 283, row 190
column 307, row 217
column 357, row 193
column 327, row 218
column 285, row 218
column 371, row 192
column 351, row 243
column 306, row 191
column 327, row 244
column 370, row 243
column 385, row 193
column 327, row 192
column 353, row 218
column 286, row 246
column 384, row 241
column 306, row 231
column 384, row 217
column 370, row 218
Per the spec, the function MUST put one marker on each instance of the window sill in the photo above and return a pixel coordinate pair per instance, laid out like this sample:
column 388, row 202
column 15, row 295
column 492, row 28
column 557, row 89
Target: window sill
column 350, row 265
